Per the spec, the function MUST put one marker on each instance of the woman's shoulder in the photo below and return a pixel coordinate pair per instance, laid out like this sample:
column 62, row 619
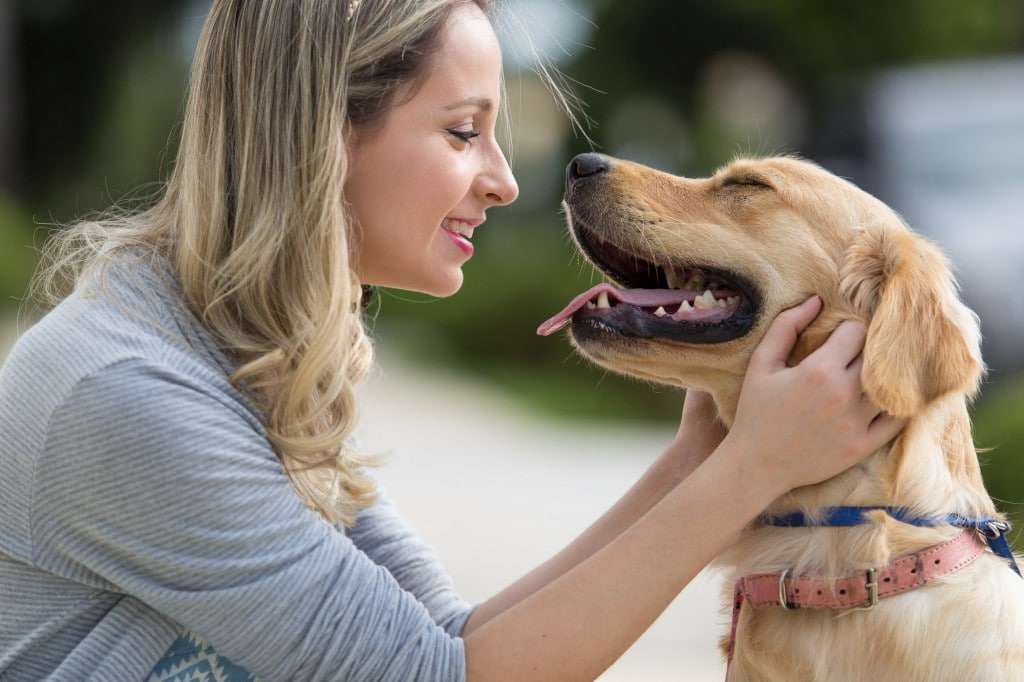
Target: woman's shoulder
column 94, row 326
column 130, row 317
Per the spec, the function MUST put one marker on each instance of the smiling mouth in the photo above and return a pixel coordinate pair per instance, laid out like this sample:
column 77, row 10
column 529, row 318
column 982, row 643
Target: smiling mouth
column 687, row 302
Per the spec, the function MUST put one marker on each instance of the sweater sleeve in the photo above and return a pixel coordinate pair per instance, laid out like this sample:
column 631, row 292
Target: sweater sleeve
column 389, row 540
column 154, row 484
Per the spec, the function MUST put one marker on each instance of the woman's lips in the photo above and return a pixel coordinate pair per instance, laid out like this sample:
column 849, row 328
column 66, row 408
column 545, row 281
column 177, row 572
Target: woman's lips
column 460, row 241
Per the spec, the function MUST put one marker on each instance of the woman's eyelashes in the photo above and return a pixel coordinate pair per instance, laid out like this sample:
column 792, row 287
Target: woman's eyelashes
column 464, row 135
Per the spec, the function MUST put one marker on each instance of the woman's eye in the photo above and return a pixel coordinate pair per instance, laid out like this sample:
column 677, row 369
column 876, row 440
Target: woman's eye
column 464, row 135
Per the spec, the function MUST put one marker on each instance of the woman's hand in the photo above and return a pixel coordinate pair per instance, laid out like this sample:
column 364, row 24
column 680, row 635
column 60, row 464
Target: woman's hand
column 800, row 425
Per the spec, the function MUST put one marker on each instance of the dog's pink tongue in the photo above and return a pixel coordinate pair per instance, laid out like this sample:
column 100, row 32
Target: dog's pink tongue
column 638, row 297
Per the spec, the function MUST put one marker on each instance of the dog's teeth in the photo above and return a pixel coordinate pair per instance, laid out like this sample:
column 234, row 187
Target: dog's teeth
column 696, row 282
column 685, row 305
column 660, row 312
column 705, row 301
column 733, row 300
column 602, row 300
column 590, row 305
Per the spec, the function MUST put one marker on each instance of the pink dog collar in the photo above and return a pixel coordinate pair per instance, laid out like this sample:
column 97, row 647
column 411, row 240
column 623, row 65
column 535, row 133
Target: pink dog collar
column 861, row 590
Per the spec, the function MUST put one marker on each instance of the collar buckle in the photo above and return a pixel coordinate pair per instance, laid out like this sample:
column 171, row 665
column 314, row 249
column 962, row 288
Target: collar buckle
column 994, row 529
column 782, row 590
column 872, row 586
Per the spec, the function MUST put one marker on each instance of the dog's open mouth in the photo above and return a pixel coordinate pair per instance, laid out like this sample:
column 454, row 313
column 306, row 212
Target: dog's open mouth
column 688, row 303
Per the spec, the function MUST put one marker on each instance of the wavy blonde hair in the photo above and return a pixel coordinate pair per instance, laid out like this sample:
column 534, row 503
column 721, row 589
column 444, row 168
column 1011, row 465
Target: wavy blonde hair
column 253, row 220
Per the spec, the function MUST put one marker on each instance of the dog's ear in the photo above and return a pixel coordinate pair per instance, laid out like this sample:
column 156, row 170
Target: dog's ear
column 922, row 342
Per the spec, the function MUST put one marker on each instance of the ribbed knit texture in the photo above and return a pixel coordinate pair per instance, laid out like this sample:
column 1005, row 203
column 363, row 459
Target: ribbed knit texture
column 140, row 499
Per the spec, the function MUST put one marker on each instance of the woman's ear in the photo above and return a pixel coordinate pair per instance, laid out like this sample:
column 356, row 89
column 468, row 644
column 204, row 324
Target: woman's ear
column 922, row 341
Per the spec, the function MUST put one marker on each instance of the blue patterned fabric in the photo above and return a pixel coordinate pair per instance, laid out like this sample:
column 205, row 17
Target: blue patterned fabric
column 192, row 659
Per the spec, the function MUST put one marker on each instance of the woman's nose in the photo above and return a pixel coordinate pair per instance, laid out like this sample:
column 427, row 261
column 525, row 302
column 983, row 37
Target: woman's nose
column 499, row 185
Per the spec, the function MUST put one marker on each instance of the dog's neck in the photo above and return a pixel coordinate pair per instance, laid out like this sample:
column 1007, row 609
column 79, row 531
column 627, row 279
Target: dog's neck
column 931, row 466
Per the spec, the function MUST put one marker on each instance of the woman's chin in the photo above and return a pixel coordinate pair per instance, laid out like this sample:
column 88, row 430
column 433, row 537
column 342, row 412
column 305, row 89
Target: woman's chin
column 440, row 287
column 450, row 285
column 444, row 282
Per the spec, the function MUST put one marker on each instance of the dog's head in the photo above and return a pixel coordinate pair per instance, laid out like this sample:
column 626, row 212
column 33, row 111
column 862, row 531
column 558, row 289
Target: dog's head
column 702, row 266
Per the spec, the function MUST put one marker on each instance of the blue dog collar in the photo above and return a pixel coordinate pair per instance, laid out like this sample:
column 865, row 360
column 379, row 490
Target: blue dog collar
column 993, row 529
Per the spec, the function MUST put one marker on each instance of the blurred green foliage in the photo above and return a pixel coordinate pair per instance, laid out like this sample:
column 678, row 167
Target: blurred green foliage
column 998, row 421
column 821, row 48
column 17, row 256
column 77, row 64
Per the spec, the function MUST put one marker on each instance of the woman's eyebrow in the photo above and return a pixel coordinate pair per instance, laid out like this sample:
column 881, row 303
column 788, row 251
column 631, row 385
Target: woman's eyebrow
column 481, row 102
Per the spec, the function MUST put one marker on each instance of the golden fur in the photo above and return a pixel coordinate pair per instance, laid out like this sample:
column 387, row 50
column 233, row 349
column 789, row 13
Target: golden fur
column 810, row 232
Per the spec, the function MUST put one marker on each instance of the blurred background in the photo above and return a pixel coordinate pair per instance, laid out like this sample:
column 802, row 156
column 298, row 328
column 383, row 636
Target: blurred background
column 920, row 102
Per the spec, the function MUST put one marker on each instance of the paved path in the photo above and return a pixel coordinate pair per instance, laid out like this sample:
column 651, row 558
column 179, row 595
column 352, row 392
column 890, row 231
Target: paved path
column 497, row 491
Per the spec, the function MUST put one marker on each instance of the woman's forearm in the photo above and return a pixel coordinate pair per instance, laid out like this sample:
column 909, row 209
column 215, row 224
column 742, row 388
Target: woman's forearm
column 577, row 625
column 660, row 478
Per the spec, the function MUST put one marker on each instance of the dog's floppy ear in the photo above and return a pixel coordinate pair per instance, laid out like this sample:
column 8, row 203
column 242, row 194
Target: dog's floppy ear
column 922, row 342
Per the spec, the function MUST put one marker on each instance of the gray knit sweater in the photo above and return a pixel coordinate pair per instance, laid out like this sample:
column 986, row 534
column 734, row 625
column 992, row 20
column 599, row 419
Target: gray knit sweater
column 140, row 500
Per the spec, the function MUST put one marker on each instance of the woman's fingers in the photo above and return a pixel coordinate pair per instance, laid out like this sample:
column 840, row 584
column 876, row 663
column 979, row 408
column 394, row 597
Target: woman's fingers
column 867, row 409
column 842, row 346
column 778, row 341
column 884, row 429
column 854, row 368
column 806, row 424
column 869, row 412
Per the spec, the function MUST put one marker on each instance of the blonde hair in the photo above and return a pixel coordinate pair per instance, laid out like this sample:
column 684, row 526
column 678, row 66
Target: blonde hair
column 254, row 223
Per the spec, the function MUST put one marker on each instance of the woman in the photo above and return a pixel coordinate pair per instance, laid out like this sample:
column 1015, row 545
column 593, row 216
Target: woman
column 184, row 492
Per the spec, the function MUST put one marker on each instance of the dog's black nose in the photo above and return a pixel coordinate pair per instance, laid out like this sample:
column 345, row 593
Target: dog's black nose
column 585, row 165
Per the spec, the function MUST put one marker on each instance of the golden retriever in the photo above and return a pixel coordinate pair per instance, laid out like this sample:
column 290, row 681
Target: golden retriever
column 757, row 237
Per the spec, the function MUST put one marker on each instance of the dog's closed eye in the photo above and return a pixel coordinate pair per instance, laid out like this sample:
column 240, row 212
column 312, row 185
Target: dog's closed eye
column 745, row 182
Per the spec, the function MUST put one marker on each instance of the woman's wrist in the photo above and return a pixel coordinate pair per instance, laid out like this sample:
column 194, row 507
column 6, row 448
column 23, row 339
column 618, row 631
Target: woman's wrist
column 760, row 484
column 679, row 461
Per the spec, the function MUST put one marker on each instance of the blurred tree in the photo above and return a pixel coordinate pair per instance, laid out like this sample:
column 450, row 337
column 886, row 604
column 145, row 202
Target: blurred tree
column 999, row 434
column 68, row 54
column 661, row 46
column 8, row 95
column 16, row 257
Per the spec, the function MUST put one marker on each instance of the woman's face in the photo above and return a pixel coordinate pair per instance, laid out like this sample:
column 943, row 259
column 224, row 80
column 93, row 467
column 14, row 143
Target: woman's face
column 414, row 177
